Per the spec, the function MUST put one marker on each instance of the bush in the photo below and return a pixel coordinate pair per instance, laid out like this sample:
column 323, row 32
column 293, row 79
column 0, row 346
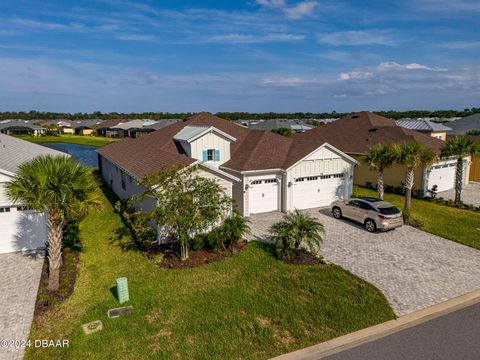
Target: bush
column 418, row 194
column 369, row 185
column 70, row 236
column 143, row 235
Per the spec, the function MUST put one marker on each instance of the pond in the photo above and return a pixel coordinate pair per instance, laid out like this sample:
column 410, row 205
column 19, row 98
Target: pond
column 84, row 154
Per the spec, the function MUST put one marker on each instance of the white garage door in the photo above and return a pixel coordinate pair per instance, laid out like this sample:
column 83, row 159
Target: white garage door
column 443, row 176
column 263, row 195
column 21, row 229
column 316, row 191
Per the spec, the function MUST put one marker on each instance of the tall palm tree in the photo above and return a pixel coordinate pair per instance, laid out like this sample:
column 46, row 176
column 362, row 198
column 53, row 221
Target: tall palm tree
column 413, row 155
column 380, row 157
column 63, row 189
column 294, row 230
column 460, row 147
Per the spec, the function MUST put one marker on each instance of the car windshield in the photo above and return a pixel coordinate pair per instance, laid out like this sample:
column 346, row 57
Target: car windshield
column 391, row 210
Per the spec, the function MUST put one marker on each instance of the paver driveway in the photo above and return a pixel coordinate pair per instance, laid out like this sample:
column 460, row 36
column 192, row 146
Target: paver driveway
column 414, row 269
column 20, row 276
column 470, row 194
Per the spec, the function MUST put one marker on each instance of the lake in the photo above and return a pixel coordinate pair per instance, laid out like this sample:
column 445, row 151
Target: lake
column 84, row 154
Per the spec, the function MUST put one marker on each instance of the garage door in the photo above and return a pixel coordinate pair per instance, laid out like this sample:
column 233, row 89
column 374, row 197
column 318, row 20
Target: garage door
column 443, row 176
column 21, row 229
column 316, row 191
column 263, row 195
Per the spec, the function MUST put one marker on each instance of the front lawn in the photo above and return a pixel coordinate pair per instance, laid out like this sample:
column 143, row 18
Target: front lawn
column 251, row 306
column 462, row 226
column 70, row 139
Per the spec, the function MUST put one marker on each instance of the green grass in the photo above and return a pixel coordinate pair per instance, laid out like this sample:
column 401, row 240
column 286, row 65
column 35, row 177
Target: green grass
column 460, row 225
column 251, row 306
column 70, row 139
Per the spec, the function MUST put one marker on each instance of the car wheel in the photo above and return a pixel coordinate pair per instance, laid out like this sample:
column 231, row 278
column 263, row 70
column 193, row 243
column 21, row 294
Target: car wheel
column 337, row 213
column 370, row 225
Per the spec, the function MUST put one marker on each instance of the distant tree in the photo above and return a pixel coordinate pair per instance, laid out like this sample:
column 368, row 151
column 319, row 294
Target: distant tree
column 474, row 132
column 460, row 147
column 283, row 131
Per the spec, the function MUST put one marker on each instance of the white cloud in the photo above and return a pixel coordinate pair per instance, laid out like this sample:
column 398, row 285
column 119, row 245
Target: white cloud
column 301, row 10
column 292, row 81
column 391, row 65
column 357, row 37
column 135, row 37
column 355, row 75
column 271, row 3
column 250, row 38
column 460, row 45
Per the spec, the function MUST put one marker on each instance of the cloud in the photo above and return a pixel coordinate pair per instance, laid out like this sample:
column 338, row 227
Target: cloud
column 293, row 81
column 391, row 65
column 355, row 75
column 251, row 39
column 271, row 3
column 301, row 10
column 135, row 37
column 447, row 5
column 357, row 38
column 459, row 45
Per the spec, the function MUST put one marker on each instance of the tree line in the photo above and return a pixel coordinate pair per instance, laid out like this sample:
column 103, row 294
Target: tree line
column 42, row 115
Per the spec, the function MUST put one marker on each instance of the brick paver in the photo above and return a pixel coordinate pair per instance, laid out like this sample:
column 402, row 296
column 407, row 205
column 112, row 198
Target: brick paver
column 470, row 194
column 20, row 276
column 414, row 269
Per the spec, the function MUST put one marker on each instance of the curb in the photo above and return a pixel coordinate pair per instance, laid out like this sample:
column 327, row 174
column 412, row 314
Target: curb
column 375, row 332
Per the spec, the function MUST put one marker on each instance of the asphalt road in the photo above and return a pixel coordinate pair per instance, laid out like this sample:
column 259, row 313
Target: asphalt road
column 450, row 337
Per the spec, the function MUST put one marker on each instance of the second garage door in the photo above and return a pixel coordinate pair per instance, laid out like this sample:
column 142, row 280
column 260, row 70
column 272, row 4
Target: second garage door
column 443, row 176
column 317, row 191
column 263, row 195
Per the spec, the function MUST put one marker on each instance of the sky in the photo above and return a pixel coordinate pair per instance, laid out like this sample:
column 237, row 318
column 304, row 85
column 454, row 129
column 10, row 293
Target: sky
column 253, row 55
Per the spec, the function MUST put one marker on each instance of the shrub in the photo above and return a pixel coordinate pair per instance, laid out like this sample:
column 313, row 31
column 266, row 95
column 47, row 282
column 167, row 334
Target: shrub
column 70, row 236
column 418, row 194
column 369, row 185
column 234, row 229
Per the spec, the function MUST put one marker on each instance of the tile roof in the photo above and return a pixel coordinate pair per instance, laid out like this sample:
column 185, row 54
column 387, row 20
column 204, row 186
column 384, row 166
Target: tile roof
column 15, row 151
column 356, row 133
column 421, row 125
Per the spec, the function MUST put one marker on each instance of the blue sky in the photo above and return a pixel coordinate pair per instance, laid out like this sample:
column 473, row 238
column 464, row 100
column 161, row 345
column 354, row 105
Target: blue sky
column 254, row 55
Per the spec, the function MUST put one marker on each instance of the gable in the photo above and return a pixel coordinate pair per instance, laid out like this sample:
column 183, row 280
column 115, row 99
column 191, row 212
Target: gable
column 323, row 153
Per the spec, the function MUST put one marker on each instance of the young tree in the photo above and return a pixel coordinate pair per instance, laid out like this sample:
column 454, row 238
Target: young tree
column 63, row 189
column 187, row 204
column 283, row 131
column 294, row 230
column 380, row 157
column 413, row 155
column 461, row 148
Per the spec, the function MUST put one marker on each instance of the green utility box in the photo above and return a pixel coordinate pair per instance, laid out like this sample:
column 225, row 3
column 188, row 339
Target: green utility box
column 122, row 290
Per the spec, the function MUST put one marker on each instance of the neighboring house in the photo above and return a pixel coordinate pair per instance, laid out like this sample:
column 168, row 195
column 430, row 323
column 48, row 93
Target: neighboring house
column 104, row 128
column 20, row 228
column 20, row 127
column 464, row 125
column 356, row 133
column 150, row 126
column 261, row 170
column 66, row 127
column 273, row 124
column 428, row 127
column 85, row 127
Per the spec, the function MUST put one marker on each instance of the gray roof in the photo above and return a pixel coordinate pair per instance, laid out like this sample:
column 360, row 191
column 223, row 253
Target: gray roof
column 190, row 133
column 462, row 126
column 421, row 125
column 161, row 123
column 87, row 123
column 132, row 124
column 268, row 125
column 14, row 152
column 19, row 123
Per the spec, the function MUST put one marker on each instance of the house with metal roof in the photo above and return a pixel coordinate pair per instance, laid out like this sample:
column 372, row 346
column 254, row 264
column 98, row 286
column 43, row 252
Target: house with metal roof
column 260, row 170
column 274, row 124
column 438, row 131
column 20, row 228
column 20, row 127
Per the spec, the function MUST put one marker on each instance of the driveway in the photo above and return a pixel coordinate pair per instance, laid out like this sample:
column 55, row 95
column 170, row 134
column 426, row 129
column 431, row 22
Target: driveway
column 470, row 194
column 412, row 268
column 20, row 276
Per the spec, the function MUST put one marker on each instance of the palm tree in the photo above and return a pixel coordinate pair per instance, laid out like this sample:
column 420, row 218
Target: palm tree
column 460, row 147
column 380, row 157
column 294, row 230
column 63, row 189
column 413, row 155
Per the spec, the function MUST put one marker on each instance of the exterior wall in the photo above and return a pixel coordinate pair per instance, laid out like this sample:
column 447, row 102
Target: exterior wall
column 86, row 132
column 211, row 141
column 68, row 131
column 439, row 135
column 475, row 169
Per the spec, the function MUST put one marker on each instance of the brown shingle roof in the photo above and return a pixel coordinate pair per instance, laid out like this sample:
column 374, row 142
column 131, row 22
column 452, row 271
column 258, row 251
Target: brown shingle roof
column 356, row 133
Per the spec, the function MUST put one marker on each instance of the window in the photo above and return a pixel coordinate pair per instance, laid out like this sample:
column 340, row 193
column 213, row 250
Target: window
column 23, row 208
column 4, row 209
column 338, row 176
column 256, row 182
column 122, row 174
column 211, row 155
column 364, row 205
column 270, row 181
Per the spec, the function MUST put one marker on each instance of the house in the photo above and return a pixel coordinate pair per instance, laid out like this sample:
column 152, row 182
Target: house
column 428, row 127
column 104, row 128
column 273, row 124
column 261, row 170
column 66, row 127
column 150, row 126
column 464, row 125
column 355, row 134
column 85, row 127
column 20, row 127
column 20, row 228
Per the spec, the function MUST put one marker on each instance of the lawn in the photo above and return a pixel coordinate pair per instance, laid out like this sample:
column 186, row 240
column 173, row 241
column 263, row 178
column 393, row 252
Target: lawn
column 71, row 139
column 462, row 226
column 251, row 306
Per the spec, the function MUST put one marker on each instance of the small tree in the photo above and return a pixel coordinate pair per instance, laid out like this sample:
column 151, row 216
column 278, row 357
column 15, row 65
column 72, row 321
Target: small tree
column 461, row 148
column 283, row 131
column 60, row 187
column 187, row 204
column 294, row 230
column 380, row 157
column 413, row 155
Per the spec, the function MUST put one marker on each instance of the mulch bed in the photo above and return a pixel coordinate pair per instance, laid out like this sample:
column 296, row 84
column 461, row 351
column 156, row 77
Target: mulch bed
column 303, row 257
column 195, row 257
column 68, row 274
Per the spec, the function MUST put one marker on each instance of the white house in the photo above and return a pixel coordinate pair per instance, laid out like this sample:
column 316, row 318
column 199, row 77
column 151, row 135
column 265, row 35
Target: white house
column 20, row 228
column 261, row 170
